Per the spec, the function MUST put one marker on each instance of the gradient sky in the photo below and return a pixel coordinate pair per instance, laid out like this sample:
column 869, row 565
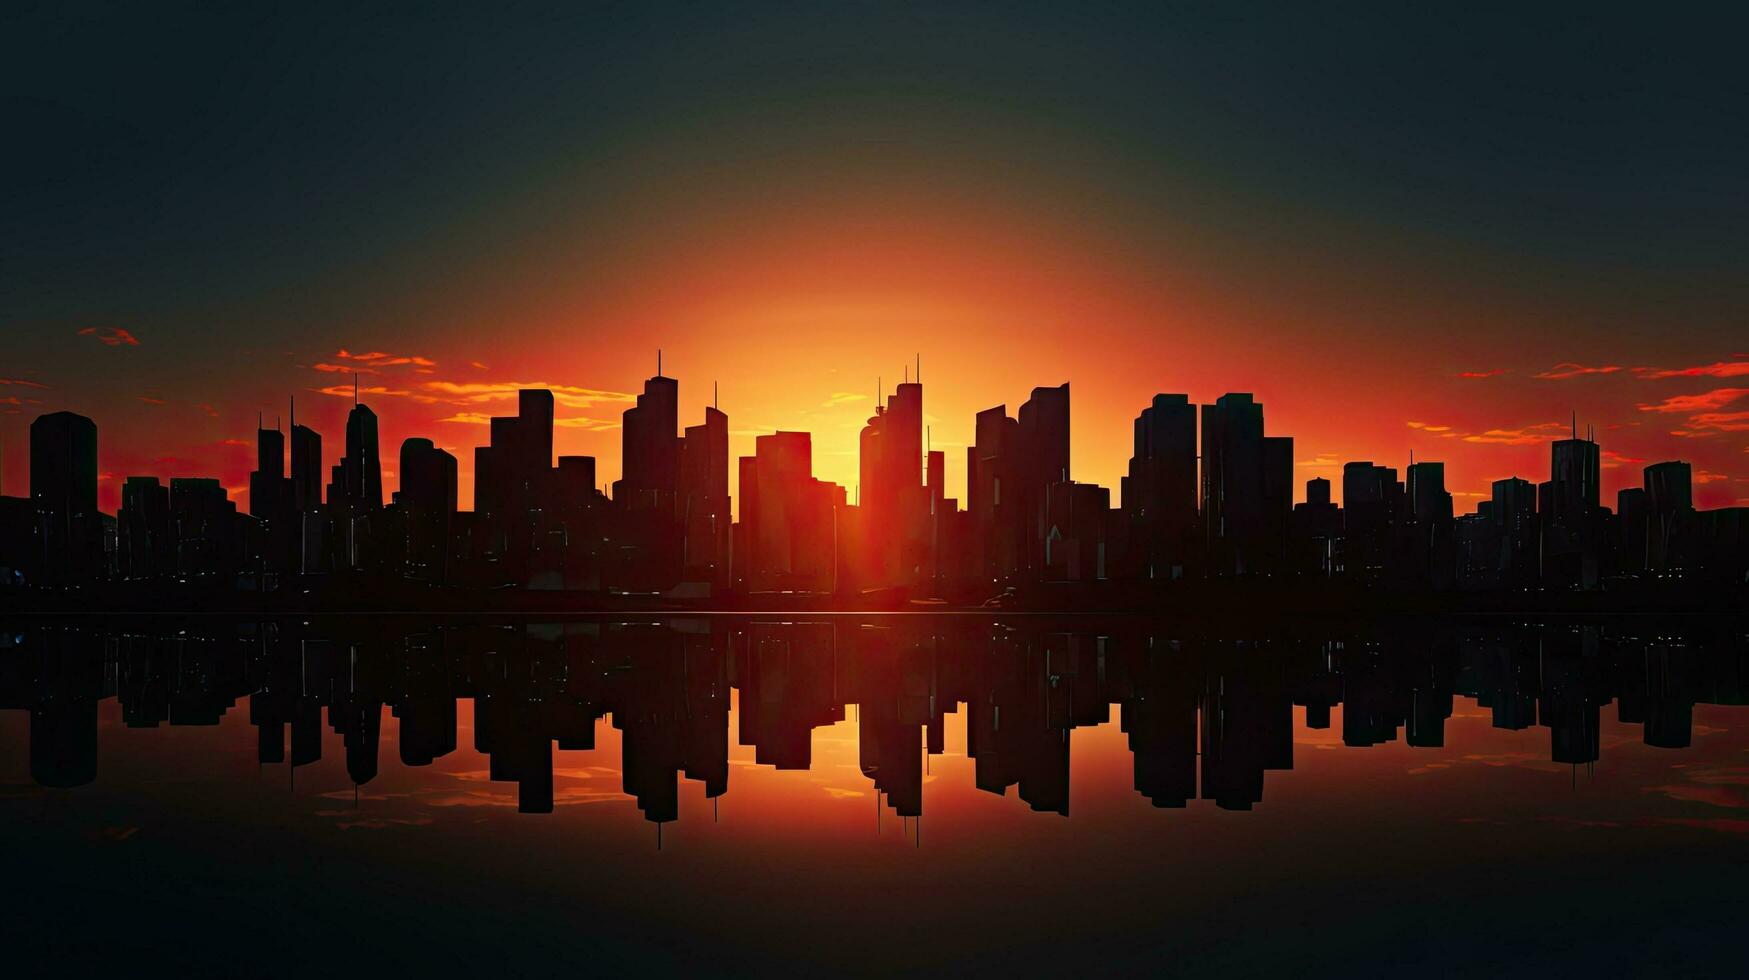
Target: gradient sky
column 1404, row 230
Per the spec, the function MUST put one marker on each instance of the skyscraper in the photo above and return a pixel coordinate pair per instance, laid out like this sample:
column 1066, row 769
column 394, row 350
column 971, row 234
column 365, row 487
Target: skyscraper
column 357, row 480
column 1160, row 491
column 63, row 489
column 894, row 508
column 704, row 500
column 649, row 449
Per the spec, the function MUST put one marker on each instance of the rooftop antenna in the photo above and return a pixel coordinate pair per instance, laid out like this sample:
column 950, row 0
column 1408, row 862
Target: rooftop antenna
column 658, row 362
column 907, row 374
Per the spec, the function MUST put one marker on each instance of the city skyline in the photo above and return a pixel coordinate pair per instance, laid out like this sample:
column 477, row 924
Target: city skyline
column 1467, row 455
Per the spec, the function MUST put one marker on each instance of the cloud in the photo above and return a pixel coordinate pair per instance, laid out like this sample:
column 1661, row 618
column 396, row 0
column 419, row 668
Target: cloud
column 22, row 383
column 148, row 399
column 474, row 392
column 1720, row 421
column 1717, row 398
column 377, row 358
column 574, row 422
column 1568, row 369
column 1717, row 369
column 1611, row 458
column 111, row 336
column 344, row 368
column 1484, row 374
column 1508, row 437
column 1429, row 427
column 345, row 391
column 589, row 424
column 843, row 398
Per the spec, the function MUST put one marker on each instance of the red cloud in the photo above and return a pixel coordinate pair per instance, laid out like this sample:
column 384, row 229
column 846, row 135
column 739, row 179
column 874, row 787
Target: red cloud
column 1568, row 369
column 1483, row 374
column 1722, row 421
column 344, row 368
column 346, row 391
column 1718, row 369
column 1717, row 398
column 21, row 383
column 111, row 336
column 148, row 399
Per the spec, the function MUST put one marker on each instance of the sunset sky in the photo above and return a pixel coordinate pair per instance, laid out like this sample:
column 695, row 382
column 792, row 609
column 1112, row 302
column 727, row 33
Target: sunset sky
column 1439, row 233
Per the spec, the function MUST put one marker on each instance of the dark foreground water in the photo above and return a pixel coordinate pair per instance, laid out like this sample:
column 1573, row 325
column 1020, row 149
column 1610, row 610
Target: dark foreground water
column 948, row 795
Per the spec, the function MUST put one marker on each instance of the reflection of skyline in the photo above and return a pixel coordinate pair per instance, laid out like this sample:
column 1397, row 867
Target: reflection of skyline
column 1204, row 718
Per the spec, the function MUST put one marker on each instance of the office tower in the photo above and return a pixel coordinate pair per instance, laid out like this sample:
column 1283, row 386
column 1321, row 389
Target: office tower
column 1669, row 491
column 143, row 538
column 704, row 500
column 894, row 508
column 1009, row 468
column 1075, row 531
column 996, row 526
column 428, row 478
column 511, row 474
column 788, row 517
column 306, row 468
column 1571, row 522
column 63, row 464
column 1371, row 501
column 268, row 487
column 63, row 491
column 1159, row 494
column 649, row 449
column 1633, row 525
column 1429, row 511
column 1513, row 511
column 1247, row 487
column 204, row 522
column 357, row 480
column 1316, row 532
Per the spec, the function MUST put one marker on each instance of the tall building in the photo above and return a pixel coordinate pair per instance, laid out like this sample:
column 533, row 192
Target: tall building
column 1159, row 494
column 63, row 464
column 787, row 517
column 1010, row 467
column 1669, row 502
column 144, row 546
column 428, row 478
column 63, row 490
column 1571, row 519
column 268, row 486
column 704, row 500
column 894, row 507
column 357, row 480
column 1247, row 488
column 649, row 449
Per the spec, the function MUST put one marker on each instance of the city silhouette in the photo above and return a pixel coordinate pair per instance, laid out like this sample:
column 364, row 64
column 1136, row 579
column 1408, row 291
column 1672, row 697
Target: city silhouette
column 1207, row 510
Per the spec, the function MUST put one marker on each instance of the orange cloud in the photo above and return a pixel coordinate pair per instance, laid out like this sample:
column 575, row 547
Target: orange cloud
column 1717, row 398
column 1429, row 427
column 570, row 396
column 111, row 336
column 344, row 368
column 1508, row 437
column 380, row 358
column 1568, row 369
column 1717, row 369
column 345, row 391
column 1483, row 374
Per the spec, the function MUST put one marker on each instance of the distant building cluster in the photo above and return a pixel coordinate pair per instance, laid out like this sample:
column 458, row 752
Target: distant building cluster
column 1208, row 495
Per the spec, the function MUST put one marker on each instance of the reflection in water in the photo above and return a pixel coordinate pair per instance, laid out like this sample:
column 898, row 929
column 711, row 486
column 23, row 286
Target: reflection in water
column 1206, row 715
